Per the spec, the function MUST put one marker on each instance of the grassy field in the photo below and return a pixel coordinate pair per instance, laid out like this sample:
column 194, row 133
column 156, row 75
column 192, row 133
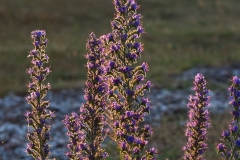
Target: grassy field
column 179, row 35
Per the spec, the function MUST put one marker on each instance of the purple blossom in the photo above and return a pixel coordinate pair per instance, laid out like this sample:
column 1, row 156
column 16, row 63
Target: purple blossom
column 139, row 78
column 148, row 85
column 236, row 80
column 117, row 3
column 33, row 53
column 116, row 81
column 116, row 48
column 221, row 147
column 145, row 67
column 123, row 145
column 134, row 6
column 122, row 9
column 38, row 34
column 225, row 134
column 136, row 150
column 129, row 93
column 124, row 37
column 131, row 56
column 140, row 30
column 233, row 127
column 130, row 139
column 136, row 45
column 112, row 64
column 30, row 71
column 238, row 142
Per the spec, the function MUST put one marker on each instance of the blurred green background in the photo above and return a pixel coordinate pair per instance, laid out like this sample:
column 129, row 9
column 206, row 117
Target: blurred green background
column 179, row 35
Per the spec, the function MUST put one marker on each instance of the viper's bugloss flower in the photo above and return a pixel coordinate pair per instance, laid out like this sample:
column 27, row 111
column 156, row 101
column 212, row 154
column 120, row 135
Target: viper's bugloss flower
column 73, row 125
column 225, row 134
column 231, row 148
column 38, row 132
column 198, row 120
column 86, row 131
column 126, row 87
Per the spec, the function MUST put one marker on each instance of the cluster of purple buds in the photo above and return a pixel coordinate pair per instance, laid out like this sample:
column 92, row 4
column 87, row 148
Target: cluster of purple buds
column 126, row 26
column 86, row 131
column 198, row 120
column 126, row 104
column 231, row 149
column 73, row 124
column 38, row 132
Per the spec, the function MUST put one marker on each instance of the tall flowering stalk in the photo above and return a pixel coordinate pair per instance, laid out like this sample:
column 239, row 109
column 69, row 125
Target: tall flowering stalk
column 86, row 131
column 127, row 104
column 231, row 149
column 198, row 120
column 38, row 132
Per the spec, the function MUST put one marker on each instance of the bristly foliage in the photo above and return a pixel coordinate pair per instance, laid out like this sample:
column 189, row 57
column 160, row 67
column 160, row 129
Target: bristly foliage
column 38, row 132
column 198, row 120
column 127, row 104
column 231, row 137
column 86, row 131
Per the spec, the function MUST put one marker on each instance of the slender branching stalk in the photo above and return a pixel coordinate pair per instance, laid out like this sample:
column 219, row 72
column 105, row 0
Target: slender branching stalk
column 86, row 131
column 230, row 146
column 127, row 104
column 38, row 128
column 198, row 120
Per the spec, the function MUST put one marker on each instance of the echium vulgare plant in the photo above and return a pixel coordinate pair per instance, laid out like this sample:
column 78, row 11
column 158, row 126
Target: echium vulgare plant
column 38, row 128
column 86, row 131
column 231, row 149
column 199, row 120
column 127, row 104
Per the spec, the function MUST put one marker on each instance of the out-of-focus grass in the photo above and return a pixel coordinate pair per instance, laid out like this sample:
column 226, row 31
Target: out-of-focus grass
column 179, row 35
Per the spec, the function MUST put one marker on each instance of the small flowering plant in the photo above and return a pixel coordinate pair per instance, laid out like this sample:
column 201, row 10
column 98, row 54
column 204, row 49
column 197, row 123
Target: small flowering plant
column 230, row 146
column 127, row 104
column 86, row 131
column 198, row 120
column 38, row 132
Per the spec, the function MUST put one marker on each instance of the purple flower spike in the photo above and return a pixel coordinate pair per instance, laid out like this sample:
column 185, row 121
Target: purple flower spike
column 86, row 131
column 126, row 87
column 230, row 150
column 198, row 120
column 38, row 135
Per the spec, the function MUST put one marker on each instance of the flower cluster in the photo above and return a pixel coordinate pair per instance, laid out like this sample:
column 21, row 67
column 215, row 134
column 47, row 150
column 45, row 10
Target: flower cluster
column 86, row 131
column 232, row 136
column 198, row 120
column 126, row 104
column 38, row 132
column 114, row 97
